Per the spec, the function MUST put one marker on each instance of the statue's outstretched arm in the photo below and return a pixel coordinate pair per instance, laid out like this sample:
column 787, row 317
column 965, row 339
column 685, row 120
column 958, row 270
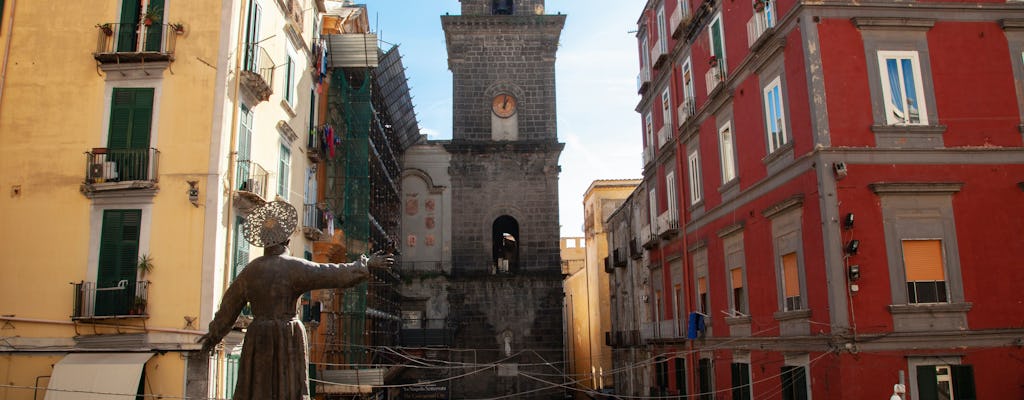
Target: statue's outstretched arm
column 230, row 306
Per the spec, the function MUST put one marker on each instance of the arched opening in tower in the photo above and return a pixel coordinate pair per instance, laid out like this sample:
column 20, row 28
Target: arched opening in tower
column 505, row 239
column 502, row 7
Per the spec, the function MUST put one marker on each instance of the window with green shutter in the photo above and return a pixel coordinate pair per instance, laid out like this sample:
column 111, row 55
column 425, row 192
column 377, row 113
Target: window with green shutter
column 128, row 139
column 284, row 172
column 155, row 32
column 127, row 32
column 244, row 148
column 118, row 261
column 241, row 249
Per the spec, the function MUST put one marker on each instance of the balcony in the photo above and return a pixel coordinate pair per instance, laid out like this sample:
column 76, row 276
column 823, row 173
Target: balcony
column 123, row 300
column 685, row 111
column 648, row 238
column 680, row 19
column 634, row 249
column 119, row 44
column 643, row 81
column 714, row 77
column 252, row 185
column 668, row 224
column 659, row 53
column 763, row 20
column 317, row 221
column 648, row 155
column 120, row 169
column 257, row 74
column 664, row 136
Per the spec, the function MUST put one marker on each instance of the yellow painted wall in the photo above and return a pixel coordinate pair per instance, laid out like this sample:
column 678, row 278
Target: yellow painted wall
column 53, row 110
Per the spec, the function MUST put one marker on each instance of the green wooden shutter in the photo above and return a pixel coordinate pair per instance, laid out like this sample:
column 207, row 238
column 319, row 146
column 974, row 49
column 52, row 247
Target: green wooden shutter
column 241, row 249
column 155, row 32
column 716, row 41
column 252, row 36
column 127, row 37
column 927, row 384
column 244, row 146
column 740, row 381
column 963, row 382
column 681, row 376
column 118, row 260
column 131, row 116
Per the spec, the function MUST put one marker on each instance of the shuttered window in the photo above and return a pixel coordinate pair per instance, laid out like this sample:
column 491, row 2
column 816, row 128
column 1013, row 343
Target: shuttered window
column 705, row 373
column 284, row 172
column 155, row 32
column 680, row 376
column 736, row 277
column 252, row 33
column 118, row 261
column 926, row 276
column 794, row 383
column 241, row 249
column 127, row 37
column 937, row 382
column 740, row 381
column 131, row 116
column 702, row 293
column 791, row 281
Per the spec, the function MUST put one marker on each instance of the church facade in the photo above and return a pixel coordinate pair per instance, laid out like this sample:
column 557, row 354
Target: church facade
column 481, row 265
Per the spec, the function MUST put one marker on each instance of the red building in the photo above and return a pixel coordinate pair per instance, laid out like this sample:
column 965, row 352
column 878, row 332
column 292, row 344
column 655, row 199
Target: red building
column 833, row 202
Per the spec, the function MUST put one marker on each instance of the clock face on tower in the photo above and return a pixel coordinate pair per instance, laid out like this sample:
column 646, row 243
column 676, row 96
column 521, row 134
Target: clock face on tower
column 504, row 105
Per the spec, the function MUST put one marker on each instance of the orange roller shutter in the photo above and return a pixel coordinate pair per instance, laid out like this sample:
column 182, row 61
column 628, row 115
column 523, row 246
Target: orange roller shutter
column 737, row 278
column 922, row 260
column 790, row 275
column 702, row 285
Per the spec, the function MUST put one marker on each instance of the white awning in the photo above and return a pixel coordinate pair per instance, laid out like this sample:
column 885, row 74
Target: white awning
column 97, row 376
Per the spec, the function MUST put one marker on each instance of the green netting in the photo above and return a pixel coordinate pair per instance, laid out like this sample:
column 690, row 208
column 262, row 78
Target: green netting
column 357, row 114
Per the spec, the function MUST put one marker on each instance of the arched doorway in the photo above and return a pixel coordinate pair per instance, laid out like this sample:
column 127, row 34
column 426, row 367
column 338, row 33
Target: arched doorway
column 505, row 242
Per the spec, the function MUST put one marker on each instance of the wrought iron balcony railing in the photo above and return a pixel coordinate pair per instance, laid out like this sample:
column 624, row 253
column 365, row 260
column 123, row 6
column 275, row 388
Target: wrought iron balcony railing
column 139, row 166
column 135, row 42
column 252, row 178
column 123, row 299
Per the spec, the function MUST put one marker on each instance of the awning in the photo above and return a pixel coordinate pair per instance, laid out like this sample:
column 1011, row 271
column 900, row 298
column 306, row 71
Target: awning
column 96, row 376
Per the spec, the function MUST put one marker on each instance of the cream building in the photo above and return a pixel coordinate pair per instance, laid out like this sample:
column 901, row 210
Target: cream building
column 139, row 132
column 586, row 286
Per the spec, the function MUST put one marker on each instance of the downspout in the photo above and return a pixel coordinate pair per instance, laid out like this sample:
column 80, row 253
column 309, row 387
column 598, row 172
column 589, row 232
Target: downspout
column 232, row 160
column 7, row 51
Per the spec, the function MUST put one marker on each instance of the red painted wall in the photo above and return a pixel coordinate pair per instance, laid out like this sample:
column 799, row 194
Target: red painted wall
column 846, row 83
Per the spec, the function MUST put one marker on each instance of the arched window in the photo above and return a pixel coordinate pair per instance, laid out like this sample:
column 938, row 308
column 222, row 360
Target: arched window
column 502, row 7
column 505, row 241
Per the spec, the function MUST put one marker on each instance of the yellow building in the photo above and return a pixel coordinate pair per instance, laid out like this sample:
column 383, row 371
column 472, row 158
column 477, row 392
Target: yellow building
column 137, row 133
column 586, row 287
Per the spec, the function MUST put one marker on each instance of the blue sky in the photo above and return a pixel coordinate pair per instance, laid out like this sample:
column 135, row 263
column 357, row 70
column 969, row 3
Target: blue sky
column 596, row 86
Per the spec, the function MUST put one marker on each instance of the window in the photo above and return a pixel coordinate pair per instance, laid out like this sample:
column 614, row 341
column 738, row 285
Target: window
column 128, row 139
column 687, row 75
column 240, row 249
column 649, row 129
column 118, row 261
column 645, row 55
column 702, row 295
column 736, row 280
column 284, row 171
column 791, row 282
column 502, row 7
column 727, row 151
column 505, row 241
column 244, row 180
column 661, row 373
column 741, row 381
column 945, row 382
column 706, row 374
column 696, row 191
column 666, row 113
column 901, row 88
column 794, row 383
column 652, row 208
column 670, row 189
column 926, row 277
column 657, row 306
column 717, row 41
column 252, row 37
column 677, row 304
column 681, row 376
column 289, row 76
column 775, row 123
column 662, row 37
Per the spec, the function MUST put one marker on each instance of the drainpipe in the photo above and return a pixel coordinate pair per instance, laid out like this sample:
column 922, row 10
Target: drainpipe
column 7, row 51
column 232, row 160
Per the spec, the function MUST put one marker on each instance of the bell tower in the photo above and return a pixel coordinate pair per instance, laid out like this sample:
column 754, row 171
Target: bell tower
column 506, row 283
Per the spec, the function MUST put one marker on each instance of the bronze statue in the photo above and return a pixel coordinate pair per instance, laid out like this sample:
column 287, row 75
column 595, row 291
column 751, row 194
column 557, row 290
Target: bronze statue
column 275, row 359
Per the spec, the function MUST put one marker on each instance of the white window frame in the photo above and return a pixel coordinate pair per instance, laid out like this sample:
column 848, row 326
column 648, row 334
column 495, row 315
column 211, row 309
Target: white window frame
column 696, row 190
column 711, row 39
column 775, row 111
column 290, row 84
column 645, row 55
column 670, row 194
column 662, row 35
column 284, row 171
column 649, row 129
column 688, row 88
column 666, row 109
column 727, row 152
column 652, row 207
column 891, row 116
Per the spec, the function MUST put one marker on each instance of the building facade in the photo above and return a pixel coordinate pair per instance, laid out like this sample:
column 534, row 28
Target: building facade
column 177, row 119
column 815, row 177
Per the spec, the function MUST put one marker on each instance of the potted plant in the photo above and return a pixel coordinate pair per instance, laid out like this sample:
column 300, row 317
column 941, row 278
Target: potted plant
column 713, row 61
column 145, row 264
column 759, row 5
column 152, row 15
column 139, row 306
column 178, row 27
column 106, row 28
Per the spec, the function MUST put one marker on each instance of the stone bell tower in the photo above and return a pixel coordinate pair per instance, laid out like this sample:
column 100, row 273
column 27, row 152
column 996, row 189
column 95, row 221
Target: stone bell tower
column 506, row 284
